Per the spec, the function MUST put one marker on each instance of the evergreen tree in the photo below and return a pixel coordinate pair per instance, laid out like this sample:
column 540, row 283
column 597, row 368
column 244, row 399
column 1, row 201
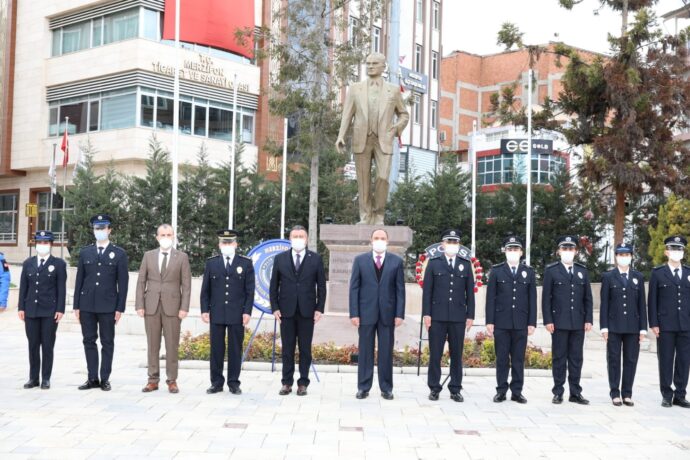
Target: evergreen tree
column 672, row 220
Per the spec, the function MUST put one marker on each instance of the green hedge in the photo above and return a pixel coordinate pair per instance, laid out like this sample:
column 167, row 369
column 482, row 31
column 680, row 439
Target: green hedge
column 478, row 352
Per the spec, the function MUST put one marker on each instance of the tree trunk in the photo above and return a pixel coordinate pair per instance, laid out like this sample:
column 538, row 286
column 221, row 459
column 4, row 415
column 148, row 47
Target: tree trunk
column 619, row 219
column 314, row 202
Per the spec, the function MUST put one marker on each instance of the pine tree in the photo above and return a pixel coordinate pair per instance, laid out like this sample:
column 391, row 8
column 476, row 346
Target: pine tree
column 672, row 220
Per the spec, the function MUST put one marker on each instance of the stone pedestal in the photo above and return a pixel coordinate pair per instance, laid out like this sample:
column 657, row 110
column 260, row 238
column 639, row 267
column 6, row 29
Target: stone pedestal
column 344, row 243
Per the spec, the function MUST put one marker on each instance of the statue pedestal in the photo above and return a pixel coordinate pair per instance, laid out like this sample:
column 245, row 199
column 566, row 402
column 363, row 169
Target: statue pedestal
column 344, row 243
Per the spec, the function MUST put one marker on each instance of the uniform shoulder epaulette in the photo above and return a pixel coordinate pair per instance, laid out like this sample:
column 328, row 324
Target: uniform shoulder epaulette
column 659, row 267
column 244, row 257
column 687, row 267
column 523, row 265
column 580, row 264
column 213, row 257
column 552, row 264
column 498, row 265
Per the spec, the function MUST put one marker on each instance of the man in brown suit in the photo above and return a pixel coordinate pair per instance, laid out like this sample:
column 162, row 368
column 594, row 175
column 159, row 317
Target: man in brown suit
column 163, row 291
column 377, row 114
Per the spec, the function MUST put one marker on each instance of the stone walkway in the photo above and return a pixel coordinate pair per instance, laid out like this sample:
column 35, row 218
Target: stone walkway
column 329, row 423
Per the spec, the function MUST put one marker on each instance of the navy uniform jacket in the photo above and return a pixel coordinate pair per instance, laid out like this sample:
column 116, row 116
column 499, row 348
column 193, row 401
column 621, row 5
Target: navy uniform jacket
column 623, row 307
column 101, row 285
column 669, row 303
column 304, row 289
column 227, row 295
column 42, row 292
column 511, row 303
column 371, row 300
column 567, row 304
column 448, row 295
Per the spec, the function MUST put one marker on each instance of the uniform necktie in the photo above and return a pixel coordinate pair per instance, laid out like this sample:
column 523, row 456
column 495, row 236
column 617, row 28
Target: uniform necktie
column 450, row 264
column 227, row 264
column 100, row 251
column 625, row 278
column 297, row 262
column 40, row 265
column 570, row 272
column 164, row 265
column 378, row 262
column 676, row 274
column 514, row 271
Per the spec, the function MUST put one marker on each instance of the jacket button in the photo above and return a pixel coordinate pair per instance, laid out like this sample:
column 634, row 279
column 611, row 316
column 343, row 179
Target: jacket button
column 513, row 297
column 227, row 277
column 451, row 290
column 96, row 283
column 451, row 299
column 36, row 282
column 678, row 308
column 226, row 293
column 99, row 264
column 36, row 290
column 625, row 297
column 36, row 301
column 571, row 308
column 227, row 285
column 514, row 290
column 226, row 301
column 451, row 283
column 98, row 274
column 513, row 306
column 625, row 312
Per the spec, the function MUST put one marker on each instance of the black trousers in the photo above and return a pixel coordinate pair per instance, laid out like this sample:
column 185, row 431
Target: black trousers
column 510, row 345
column 235, row 335
column 673, row 351
column 439, row 332
column 296, row 330
column 630, row 343
column 41, row 335
column 566, row 352
column 365, row 367
column 91, row 325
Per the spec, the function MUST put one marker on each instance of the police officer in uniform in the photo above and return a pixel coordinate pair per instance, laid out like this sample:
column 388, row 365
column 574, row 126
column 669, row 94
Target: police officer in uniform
column 511, row 315
column 42, row 290
column 448, row 312
column 622, row 322
column 669, row 318
column 100, row 292
column 227, row 297
column 567, row 312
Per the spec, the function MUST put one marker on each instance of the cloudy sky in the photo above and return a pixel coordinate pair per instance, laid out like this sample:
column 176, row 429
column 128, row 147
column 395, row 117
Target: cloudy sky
column 472, row 25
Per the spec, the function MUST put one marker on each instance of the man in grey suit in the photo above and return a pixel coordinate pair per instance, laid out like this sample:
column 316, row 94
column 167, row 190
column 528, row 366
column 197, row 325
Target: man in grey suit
column 377, row 307
column 371, row 107
column 162, row 299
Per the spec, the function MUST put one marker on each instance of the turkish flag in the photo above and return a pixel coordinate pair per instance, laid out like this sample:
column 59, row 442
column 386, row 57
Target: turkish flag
column 212, row 23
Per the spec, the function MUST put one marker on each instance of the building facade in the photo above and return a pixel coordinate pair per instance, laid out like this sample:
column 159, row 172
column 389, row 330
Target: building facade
column 105, row 67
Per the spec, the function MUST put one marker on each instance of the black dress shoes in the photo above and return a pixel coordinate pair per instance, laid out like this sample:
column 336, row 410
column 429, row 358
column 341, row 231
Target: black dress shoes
column 682, row 402
column 433, row 396
column 285, row 390
column 388, row 395
column 211, row 390
column 628, row 402
column 500, row 397
column 457, row 397
column 557, row 399
column 301, row 390
column 518, row 399
column 578, row 399
column 31, row 384
column 105, row 386
column 45, row 385
column 617, row 402
column 666, row 403
column 235, row 390
column 362, row 394
column 90, row 384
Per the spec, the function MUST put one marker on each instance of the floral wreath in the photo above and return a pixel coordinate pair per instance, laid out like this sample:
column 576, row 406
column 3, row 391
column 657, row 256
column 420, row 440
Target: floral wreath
column 433, row 251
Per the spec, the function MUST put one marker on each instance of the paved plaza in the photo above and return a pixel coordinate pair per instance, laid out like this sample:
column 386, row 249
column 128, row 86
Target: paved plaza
column 329, row 423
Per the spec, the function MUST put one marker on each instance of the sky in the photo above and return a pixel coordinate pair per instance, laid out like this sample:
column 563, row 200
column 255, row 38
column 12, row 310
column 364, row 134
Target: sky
column 472, row 25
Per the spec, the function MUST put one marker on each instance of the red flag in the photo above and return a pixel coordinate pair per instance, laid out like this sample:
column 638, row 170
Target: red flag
column 65, row 148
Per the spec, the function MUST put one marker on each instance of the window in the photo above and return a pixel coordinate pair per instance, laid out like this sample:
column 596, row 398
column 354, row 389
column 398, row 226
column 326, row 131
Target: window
column 418, row 58
column 505, row 169
column 117, row 111
column 9, row 205
column 352, row 31
column 434, row 114
column 376, row 40
column 164, row 113
column 219, row 123
column 185, row 117
column 434, row 65
column 200, row 120
column 151, row 25
column 76, row 37
column 420, row 11
column 121, row 26
column 417, row 109
column 50, row 217
column 436, row 16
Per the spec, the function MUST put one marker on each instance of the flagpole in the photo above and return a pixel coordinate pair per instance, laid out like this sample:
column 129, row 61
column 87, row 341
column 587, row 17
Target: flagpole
column 284, row 191
column 231, row 204
column 528, row 232
column 62, row 223
column 49, row 223
column 176, row 121
column 473, row 166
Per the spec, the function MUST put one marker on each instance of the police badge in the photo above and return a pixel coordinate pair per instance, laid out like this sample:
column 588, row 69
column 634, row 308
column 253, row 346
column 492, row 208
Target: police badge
column 51, row 268
column 579, row 274
column 239, row 270
column 635, row 281
column 524, row 274
column 111, row 255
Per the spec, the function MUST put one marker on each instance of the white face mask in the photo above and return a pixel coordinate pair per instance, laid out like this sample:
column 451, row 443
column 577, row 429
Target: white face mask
column 165, row 243
column 624, row 261
column 100, row 235
column 227, row 251
column 43, row 249
column 298, row 244
column 567, row 257
column 379, row 245
column 676, row 256
column 451, row 250
column 513, row 257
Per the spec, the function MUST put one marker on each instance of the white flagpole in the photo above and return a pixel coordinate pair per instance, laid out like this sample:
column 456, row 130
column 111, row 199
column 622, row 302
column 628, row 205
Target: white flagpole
column 284, row 191
column 53, row 179
column 528, row 233
column 176, row 120
column 231, row 205
column 473, row 166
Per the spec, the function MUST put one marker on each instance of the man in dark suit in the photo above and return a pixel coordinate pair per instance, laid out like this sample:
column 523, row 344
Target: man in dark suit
column 298, row 297
column 448, row 311
column 511, row 315
column 622, row 322
column 227, row 298
column 567, row 311
column 42, row 290
column 377, row 307
column 669, row 318
column 100, row 293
